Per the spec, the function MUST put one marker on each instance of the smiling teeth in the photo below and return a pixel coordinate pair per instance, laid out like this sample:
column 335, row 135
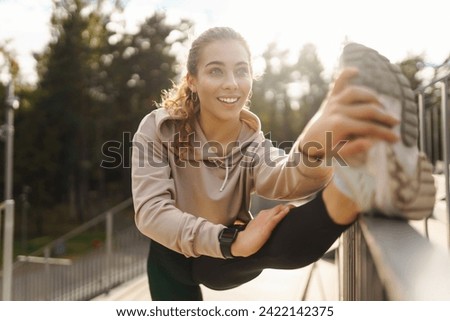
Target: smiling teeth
column 229, row 100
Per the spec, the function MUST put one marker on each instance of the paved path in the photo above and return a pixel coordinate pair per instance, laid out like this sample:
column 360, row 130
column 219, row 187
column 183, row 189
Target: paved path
column 271, row 285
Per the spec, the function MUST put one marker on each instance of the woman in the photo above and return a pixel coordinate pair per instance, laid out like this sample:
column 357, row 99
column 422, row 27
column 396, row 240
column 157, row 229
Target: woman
column 197, row 160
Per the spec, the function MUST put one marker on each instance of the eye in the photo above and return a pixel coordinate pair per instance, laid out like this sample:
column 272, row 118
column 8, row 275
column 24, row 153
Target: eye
column 242, row 72
column 215, row 71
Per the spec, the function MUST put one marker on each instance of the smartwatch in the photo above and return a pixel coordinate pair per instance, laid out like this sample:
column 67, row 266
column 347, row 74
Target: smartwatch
column 226, row 238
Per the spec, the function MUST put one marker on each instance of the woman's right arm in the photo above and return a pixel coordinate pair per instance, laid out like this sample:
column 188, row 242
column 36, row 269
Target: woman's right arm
column 154, row 194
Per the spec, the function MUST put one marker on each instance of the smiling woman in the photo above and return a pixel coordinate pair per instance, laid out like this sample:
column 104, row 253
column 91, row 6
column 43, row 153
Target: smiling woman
column 199, row 158
column 219, row 79
column 223, row 84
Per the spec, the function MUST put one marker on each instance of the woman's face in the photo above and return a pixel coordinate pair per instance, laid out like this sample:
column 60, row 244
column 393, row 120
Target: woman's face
column 223, row 81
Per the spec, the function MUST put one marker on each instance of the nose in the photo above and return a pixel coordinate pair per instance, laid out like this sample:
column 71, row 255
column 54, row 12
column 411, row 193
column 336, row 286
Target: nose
column 230, row 81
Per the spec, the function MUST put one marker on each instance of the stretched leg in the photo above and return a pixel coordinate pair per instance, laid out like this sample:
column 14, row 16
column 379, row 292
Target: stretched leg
column 169, row 276
column 301, row 238
column 394, row 177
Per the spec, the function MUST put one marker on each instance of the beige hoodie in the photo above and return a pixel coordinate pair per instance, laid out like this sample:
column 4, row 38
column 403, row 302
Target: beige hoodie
column 184, row 205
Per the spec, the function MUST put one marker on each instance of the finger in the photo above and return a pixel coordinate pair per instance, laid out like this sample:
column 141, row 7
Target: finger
column 371, row 112
column 277, row 208
column 358, row 129
column 358, row 94
column 343, row 80
column 284, row 210
column 358, row 147
column 281, row 207
column 280, row 215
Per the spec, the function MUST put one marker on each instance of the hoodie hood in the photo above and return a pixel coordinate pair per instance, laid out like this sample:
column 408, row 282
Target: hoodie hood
column 206, row 151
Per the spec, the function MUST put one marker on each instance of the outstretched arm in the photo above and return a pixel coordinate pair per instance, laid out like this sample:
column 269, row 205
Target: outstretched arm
column 356, row 129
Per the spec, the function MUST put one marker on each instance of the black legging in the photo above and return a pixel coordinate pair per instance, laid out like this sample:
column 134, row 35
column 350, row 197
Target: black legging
column 300, row 239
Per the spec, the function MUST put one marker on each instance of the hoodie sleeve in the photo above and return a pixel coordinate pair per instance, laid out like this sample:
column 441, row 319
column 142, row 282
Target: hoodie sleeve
column 154, row 194
column 282, row 176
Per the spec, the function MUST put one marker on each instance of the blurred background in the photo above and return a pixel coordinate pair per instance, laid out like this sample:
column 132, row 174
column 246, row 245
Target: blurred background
column 86, row 72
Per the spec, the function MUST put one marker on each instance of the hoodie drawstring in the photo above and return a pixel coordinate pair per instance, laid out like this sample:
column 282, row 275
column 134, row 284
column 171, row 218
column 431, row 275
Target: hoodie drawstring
column 226, row 176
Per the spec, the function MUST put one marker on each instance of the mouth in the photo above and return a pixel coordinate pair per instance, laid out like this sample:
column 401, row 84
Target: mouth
column 228, row 100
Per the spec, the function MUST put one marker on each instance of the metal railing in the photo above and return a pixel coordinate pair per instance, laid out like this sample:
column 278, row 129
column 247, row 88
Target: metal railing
column 387, row 259
column 434, row 120
column 109, row 251
column 6, row 217
column 7, row 207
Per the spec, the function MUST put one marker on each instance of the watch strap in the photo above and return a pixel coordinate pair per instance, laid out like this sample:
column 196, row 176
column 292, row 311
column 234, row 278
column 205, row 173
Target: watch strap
column 226, row 238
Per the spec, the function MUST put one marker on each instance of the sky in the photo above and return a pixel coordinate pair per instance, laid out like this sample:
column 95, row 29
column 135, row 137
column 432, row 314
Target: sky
column 395, row 28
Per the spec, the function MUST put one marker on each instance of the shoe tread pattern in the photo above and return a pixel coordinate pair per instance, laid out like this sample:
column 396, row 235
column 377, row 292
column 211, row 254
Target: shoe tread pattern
column 413, row 197
column 386, row 78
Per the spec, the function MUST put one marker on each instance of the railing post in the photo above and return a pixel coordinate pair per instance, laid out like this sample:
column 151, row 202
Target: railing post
column 347, row 261
column 359, row 280
column 47, row 287
column 422, row 133
column 445, row 117
column 421, row 103
column 12, row 103
column 8, row 250
column 109, row 249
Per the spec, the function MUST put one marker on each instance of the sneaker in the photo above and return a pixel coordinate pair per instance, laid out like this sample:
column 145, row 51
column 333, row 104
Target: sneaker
column 394, row 179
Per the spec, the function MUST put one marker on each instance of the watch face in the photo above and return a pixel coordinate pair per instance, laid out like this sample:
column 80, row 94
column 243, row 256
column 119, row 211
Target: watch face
column 229, row 233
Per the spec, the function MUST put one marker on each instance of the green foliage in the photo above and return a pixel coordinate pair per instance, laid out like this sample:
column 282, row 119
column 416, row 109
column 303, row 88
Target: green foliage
column 311, row 73
column 95, row 85
column 288, row 93
column 410, row 67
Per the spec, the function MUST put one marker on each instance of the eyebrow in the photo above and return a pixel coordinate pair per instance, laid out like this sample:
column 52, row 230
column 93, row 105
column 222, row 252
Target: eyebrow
column 223, row 64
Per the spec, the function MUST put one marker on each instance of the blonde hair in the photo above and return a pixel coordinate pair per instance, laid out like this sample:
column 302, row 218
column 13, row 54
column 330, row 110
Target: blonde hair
column 183, row 103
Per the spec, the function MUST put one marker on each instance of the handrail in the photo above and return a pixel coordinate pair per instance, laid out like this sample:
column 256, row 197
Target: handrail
column 387, row 259
column 432, row 82
column 410, row 267
column 84, row 227
column 115, row 255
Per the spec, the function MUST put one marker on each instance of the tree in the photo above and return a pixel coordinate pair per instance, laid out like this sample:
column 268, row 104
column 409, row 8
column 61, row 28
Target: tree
column 95, row 85
column 288, row 93
column 410, row 68
column 63, row 105
column 311, row 74
column 270, row 98
column 137, row 69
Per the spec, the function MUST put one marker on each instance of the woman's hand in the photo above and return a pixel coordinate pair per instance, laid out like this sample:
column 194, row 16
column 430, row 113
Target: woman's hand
column 354, row 119
column 258, row 231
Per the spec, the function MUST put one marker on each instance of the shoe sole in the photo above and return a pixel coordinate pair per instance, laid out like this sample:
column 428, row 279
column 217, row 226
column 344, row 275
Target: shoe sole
column 385, row 78
column 402, row 187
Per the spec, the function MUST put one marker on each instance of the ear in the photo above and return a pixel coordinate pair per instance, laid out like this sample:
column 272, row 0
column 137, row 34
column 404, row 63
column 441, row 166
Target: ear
column 192, row 82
